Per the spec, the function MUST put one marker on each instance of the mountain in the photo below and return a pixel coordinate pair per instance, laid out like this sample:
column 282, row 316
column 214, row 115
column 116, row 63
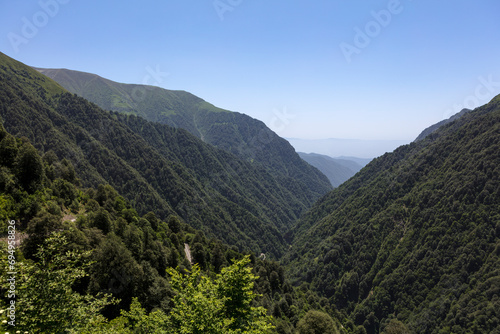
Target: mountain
column 436, row 126
column 336, row 147
column 239, row 134
column 158, row 168
column 337, row 170
column 413, row 240
column 81, row 243
column 360, row 161
column 410, row 244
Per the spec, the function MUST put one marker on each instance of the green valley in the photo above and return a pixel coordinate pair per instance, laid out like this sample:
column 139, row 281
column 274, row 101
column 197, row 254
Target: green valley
column 161, row 213
column 85, row 261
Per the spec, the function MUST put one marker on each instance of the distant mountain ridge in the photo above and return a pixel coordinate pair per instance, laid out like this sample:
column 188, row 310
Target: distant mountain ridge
column 337, row 170
column 234, row 132
column 337, row 147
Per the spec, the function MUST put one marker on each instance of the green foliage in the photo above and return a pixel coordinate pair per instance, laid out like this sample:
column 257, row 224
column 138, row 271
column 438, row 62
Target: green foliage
column 197, row 306
column 8, row 149
column 234, row 132
column 154, row 166
column 395, row 327
column 222, row 305
column 29, row 168
column 413, row 235
column 45, row 301
column 316, row 322
column 39, row 228
column 137, row 321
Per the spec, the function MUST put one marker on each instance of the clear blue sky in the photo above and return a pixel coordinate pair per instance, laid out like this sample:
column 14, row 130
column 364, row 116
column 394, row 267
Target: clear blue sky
column 309, row 69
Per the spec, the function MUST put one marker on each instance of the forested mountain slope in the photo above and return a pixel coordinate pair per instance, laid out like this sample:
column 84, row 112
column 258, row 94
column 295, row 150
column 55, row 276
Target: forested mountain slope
column 415, row 235
column 71, row 245
column 239, row 134
column 155, row 166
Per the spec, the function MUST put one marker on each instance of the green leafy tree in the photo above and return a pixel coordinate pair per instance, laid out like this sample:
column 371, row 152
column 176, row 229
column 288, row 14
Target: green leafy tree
column 115, row 271
column 40, row 228
column 197, row 307
column 316, row 322
column 396, row 327
column 235, row 285
column 45, row 301
column 29, row 168
column 222, row 305
column 137, row 321
column 8, row 150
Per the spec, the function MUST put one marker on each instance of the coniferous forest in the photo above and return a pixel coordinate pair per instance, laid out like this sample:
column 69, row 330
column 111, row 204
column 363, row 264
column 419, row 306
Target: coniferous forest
column 117, row 221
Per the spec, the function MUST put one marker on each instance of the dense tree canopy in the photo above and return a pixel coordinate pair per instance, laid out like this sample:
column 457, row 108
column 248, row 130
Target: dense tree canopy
column 316, row 322
column 415, row 235
column 107, row 207
column 109, row 262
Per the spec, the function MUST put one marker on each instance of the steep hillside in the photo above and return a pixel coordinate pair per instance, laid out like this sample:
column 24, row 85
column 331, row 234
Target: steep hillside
column 234, row 132
column 336, row 170
column 155, row 166
column 414, row 236
column 95, row 242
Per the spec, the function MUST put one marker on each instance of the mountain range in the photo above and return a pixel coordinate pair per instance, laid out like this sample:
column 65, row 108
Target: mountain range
column 338, row 147
column 338, row 170
column 160, row 168
column 237, row 133
column 408, row 244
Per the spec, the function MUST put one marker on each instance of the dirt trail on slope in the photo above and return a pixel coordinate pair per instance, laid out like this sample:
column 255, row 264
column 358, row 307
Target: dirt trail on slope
column 187, row 250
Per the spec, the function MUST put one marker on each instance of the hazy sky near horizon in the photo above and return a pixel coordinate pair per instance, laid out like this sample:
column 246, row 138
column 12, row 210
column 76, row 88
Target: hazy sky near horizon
column 309, row 69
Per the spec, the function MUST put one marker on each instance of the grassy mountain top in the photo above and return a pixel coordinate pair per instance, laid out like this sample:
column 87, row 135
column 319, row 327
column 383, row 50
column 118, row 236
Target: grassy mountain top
column 414, row 237
column 140, row 100
column 43, row 85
